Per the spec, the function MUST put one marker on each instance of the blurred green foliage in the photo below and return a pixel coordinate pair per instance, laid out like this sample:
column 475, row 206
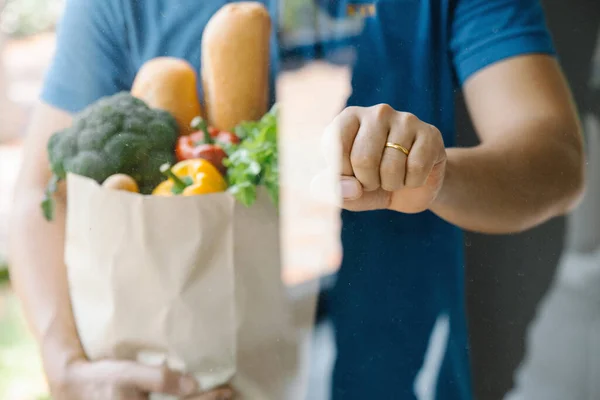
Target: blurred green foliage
column 297, row 14
column 19, row 18
column 3, row 270
column 21, row 374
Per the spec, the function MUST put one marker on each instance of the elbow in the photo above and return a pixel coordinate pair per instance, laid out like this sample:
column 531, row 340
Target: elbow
column 27, row 222
column 568, row 196
column 574, row 191
column 572, row 181
column 562, row 185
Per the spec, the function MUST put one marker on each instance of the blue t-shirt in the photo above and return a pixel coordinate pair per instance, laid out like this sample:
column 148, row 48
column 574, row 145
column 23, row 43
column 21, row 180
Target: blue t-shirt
column 398, row 305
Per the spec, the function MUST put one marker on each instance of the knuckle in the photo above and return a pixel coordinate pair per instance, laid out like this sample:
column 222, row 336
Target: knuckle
column 432, row 135
column 408, row 119
column 434, row 130
column 383, row 111
column 350, row 111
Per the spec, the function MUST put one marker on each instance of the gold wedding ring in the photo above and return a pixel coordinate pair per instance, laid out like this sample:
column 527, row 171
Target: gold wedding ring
column 397, row 147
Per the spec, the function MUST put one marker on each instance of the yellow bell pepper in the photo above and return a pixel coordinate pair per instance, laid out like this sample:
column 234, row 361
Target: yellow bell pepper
column 190, row 177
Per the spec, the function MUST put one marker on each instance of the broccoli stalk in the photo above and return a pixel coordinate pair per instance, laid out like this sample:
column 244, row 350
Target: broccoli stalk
column 48, row 202
column 116, row 134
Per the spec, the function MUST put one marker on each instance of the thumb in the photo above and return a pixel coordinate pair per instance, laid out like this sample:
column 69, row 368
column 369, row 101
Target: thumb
column 357, row 199
column 351, row 188
column 329, row 188
column 159, row 380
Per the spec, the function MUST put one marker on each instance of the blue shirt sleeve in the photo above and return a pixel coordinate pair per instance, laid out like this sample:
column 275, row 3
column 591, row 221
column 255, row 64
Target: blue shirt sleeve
column 484, row 32
column 91, row 60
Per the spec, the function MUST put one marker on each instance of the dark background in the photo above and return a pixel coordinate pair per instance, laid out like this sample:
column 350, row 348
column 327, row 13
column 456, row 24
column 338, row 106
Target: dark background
column 508, row 275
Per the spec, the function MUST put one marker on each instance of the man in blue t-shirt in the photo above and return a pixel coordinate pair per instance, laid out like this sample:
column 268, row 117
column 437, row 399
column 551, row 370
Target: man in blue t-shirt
column 398, row 305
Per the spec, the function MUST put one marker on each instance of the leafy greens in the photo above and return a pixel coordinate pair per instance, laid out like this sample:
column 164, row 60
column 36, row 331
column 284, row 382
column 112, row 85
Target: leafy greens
column 254, row 162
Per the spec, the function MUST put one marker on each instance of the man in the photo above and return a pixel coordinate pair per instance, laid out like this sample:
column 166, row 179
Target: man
column 408, row 192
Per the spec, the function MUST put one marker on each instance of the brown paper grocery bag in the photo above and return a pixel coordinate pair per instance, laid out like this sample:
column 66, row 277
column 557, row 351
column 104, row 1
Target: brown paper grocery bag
column 192, row 282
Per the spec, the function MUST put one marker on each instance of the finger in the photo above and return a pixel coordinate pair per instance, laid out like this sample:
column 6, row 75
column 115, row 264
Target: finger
column 367, row 149
column 341, row 133
column 393, row 163
column 422, row 158
column 157, row 379
column 217, row 394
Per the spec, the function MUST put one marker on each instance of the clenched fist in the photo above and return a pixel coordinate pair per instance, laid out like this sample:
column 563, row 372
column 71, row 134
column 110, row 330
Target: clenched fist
column 390, row 159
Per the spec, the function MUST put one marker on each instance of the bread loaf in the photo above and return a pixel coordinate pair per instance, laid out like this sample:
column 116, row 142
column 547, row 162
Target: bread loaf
column 235, row 64
column 170, row 84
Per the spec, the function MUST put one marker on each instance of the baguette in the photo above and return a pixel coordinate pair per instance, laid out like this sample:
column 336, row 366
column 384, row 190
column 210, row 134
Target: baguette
column 235, row 64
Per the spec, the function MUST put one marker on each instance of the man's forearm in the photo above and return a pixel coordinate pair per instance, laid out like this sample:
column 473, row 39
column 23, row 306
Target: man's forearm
column 38, row 275
column 492, row 189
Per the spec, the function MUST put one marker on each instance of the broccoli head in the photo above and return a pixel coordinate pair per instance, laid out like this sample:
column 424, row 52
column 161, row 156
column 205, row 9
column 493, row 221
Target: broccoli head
column 116, row 134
